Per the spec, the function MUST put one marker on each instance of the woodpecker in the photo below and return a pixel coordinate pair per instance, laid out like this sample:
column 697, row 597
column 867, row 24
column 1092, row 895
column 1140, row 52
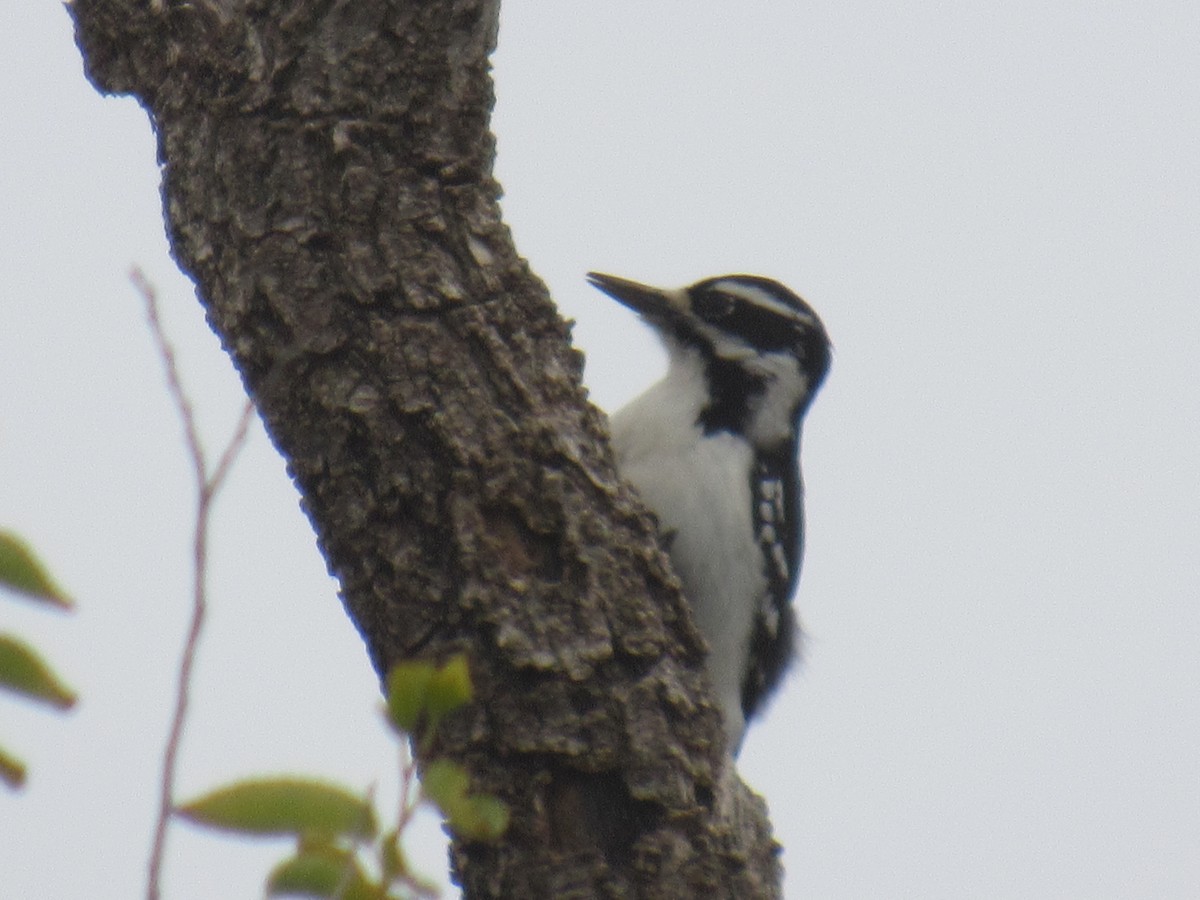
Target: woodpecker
column 713, row 450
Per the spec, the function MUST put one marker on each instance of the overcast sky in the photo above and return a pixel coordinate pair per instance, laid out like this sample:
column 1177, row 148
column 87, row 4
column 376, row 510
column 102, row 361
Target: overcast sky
column 996, row 210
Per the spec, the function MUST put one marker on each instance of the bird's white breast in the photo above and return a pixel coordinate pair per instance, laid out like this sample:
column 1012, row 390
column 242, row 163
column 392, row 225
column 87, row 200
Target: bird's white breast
column 699, row 488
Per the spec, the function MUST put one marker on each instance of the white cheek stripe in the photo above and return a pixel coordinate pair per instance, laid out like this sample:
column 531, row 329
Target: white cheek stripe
column 752, row 293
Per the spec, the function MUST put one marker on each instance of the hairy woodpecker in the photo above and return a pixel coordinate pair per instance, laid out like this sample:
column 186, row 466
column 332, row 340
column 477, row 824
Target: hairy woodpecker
column 713, row 450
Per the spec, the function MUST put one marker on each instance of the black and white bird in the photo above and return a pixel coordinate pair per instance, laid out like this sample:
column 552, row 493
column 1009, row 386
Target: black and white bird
column 713, row 450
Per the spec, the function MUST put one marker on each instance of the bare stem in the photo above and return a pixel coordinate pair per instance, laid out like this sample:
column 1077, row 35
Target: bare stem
column 208, row 483
column 183, row 405
column 410, row 802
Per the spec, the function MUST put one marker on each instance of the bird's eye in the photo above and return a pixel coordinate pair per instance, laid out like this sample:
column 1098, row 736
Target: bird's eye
column 712, row 305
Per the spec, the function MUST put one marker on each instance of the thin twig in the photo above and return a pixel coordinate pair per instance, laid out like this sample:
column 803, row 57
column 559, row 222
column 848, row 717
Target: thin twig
column 207, row 485
column 410, row 802
column 231, row 449
column 183, row 405
column 408, row 776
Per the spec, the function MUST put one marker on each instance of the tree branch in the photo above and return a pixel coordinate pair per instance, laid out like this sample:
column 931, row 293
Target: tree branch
column 328, row 183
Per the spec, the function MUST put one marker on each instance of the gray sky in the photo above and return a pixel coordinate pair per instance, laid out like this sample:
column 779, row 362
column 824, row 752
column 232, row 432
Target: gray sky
column 995, row 208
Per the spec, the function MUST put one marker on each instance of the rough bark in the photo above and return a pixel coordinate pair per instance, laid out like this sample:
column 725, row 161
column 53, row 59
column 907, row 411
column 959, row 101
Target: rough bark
column 327, row 181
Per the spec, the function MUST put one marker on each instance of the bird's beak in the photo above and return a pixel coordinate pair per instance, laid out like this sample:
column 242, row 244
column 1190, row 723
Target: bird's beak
column 655, row 304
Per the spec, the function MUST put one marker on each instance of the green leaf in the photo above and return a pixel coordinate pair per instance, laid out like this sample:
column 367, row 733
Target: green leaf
column 12, row 770
column 21, row 571
column 392, row 860
column 481, row 817
column 325, row 871
column 450, row 687
column 407, row 684
column 23, row 671
column 417, row 689
column 445, row 783
column 283, row 806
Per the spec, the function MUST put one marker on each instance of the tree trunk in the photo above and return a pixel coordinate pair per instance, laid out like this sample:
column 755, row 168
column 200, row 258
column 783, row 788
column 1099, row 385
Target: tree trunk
column 327, row 178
